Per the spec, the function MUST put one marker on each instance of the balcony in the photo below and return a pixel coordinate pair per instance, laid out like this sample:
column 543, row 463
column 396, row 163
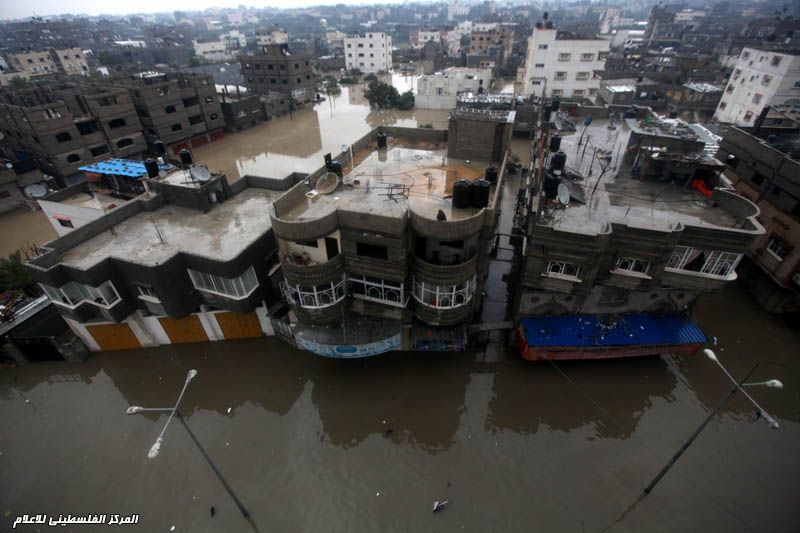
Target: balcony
column 447, row 230
column 319, row 305
column 312, row 273
column 444, row 274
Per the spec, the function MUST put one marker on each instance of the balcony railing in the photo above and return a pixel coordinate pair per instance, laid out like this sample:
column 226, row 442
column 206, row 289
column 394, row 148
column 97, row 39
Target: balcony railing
column 444, row 296
column 317, row 297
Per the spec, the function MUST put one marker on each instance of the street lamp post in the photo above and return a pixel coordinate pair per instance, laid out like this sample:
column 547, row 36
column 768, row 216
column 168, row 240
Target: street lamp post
column 737, row 386
column 173, row 411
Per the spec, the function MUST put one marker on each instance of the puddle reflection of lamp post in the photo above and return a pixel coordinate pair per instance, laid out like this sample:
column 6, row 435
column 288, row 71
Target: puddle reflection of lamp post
column 737, row 386
column 173, row 411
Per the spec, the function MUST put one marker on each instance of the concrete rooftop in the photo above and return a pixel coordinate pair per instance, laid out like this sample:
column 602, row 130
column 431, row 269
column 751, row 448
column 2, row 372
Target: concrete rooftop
column 220, row 234
column 620, row 198
column 96, row 200
column 427, row 174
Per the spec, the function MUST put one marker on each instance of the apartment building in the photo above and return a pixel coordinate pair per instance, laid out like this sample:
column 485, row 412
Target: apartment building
column 33, row 64
column 441, row 90
column 371, row 267
column 212, row 50
column 273, row 36
column 497, row 41
column 280, row 69
column 564, row 65
column 767, row 173
column 335, row 41
column 192, row 261
column 179, row 109
column 762, row 78
column 68, row 125
column 70, row 61
column 369, row 52
column 628, row 243
column 420, row 37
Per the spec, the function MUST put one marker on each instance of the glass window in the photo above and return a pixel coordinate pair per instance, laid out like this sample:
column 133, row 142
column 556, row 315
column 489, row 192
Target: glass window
column 238, row 287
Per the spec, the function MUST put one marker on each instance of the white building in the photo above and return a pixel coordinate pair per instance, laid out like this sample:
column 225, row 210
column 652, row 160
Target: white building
column 689, row 16
column 212, row 50
column 420, row 37
column 273, row 36
column 335, row 40
column 761, row 78
column 568, row 67
column 371, row 52
column 441, row 90
column 234, row 40
column 457, row 9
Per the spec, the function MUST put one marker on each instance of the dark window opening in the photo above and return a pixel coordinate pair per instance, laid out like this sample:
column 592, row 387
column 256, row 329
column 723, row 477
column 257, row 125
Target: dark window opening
column 170, row 109
column 453, row 244
column 372, row 250
column 63, row 137
column 310, row 244
column 65, row 222
column 122, row 143
column 99, row 150
column 116, row 123
column 189, row 102
column 331, row 247
column 177, row 127
column 197, row 119
column 86, row 128
column 757, row 178
column 73, row 158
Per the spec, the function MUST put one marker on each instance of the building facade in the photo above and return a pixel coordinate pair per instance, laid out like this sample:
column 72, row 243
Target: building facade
column 66, row 126
column 179, row 109
column 441, row 90
column 768, row 176
column 761, row 78
column 279, row 69
column 565, row 66
column 369, row 53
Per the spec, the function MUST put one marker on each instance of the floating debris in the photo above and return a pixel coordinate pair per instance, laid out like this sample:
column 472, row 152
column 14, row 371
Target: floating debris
column 438, row 506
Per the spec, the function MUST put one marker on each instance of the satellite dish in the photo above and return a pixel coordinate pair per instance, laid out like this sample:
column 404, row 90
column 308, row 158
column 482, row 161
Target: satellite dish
column 36, row 190
column 200, row 173
column 563, row 194
column 327, row 184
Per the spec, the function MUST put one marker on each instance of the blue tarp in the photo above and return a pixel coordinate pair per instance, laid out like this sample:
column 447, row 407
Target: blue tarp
column 611, row 330
column 120, row 167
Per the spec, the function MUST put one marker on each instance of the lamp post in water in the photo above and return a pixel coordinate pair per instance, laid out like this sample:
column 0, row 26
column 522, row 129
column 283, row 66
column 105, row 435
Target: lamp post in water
column 737, row 386
column 173, row 411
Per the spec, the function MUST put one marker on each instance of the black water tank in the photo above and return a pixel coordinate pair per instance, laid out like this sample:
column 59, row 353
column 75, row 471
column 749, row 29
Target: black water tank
column 491, row 174
column 461, row 194
column 555, row 143
column 160, row 148
column 555, row 104
column 151, row 166
column 381, row 140
column 546, row 115
column 327, row 158
column 558, row 161
column 335, row 167
column 186, row 157
column 551, row 183
column 479, row 193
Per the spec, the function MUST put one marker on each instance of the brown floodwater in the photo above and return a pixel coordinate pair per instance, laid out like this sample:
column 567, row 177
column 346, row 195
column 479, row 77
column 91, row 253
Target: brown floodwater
column 312, row 444
column 22, row 228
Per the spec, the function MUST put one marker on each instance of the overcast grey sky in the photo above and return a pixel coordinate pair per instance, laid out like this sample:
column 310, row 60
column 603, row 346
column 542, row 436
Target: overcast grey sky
column 11, row 9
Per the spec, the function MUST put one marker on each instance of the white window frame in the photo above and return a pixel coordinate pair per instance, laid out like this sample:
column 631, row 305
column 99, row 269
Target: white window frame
column 630, row 266
column 444, row 296
column 378, row 292
column 555, row 269
column 85, row 293
column 719, row 265
column 146, row 293
column 237, row 288
column 316, row 297
column 774, row 243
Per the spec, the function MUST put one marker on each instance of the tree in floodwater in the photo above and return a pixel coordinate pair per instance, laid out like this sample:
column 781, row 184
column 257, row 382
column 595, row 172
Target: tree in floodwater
column 13, row 276
column 384, row 96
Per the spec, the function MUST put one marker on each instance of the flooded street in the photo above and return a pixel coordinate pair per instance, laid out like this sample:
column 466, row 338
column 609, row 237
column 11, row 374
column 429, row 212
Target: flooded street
column 313, row 444
column 21, row 228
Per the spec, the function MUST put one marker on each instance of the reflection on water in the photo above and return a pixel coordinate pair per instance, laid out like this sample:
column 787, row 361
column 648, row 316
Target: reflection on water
column 297, row 142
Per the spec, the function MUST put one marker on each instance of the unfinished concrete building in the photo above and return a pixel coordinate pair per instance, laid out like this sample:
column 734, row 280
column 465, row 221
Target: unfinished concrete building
column 623, row 229
column 768, row 173
column 392, row 254
column 477, row 133
column 179, row 109
column 280, row 69
column 65, row 125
